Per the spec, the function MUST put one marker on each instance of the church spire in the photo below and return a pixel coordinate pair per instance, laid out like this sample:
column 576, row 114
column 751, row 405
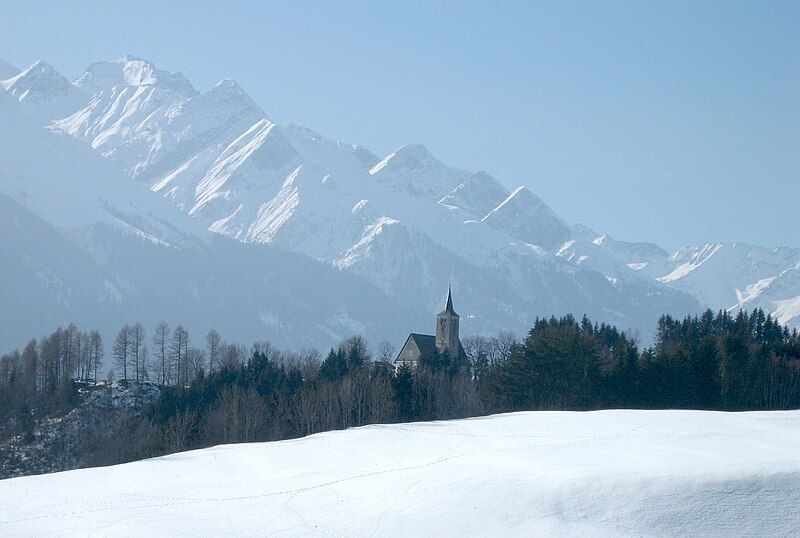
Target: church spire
column 448, row 307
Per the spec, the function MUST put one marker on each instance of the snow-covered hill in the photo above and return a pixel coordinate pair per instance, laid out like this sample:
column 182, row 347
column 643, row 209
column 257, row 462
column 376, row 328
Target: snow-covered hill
column 604, row 473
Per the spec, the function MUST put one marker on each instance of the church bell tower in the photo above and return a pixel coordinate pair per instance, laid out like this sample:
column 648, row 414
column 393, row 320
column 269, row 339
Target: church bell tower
column 447, row 329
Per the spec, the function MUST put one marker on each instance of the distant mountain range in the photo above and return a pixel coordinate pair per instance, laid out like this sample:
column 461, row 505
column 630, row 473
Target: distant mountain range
column 128, row 195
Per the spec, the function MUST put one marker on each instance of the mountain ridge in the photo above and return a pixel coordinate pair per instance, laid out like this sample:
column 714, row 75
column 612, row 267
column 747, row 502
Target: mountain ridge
column 407, row 223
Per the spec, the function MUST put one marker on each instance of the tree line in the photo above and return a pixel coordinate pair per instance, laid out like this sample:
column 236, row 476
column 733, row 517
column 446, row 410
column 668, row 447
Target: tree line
column 38, row 379
column 224, row 393
column 170, row 360
column 722, row 361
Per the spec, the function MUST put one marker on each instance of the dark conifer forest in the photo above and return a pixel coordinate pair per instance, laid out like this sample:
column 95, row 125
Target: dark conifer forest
column 225, row 393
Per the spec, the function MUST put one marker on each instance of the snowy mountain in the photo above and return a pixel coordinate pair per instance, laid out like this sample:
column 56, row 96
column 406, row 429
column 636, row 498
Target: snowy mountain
column 706, row 269
column 523, row 215
column 133, row 71
column 777, row 294
column 694, row 473
column 728, row 276
column 406, row 225
column 83, row 243
column 43, row 91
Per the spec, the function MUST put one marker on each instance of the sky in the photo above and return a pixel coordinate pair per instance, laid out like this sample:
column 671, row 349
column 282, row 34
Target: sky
column 671, row 122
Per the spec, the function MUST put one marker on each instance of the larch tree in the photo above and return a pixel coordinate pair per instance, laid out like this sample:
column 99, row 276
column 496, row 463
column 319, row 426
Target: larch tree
column 96, row 352
column 179, row 347
column 213, row 349
column 161, row 339
column 120, row 350
column 136, row 343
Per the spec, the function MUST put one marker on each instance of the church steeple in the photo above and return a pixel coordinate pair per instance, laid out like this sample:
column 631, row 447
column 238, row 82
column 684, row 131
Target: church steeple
column 448, row 307
column 447, row 329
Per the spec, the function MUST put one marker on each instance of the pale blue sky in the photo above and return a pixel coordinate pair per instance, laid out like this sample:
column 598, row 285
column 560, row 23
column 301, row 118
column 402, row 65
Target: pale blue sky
column 673, row 122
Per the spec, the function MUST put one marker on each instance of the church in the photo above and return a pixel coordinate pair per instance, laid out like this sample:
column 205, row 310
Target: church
column 445, row 342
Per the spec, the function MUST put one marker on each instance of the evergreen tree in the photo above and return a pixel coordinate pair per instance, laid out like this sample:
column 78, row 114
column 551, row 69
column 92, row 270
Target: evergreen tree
column 334, row 367
column 403, row 394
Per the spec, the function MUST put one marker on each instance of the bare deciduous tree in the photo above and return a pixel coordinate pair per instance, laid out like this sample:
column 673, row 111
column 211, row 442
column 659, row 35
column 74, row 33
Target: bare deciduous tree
column 161, row 339
column 385, row 352
column 179, row 348
column 213, row 349
column 120, row 350
column 96, row 351
column 136, row 343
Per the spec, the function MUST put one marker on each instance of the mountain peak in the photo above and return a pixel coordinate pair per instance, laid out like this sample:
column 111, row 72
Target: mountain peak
column 227, row 84
column 39, row 82
column 525, row 216
column 230, row 89
column 413, row 151
column 229, row 95
column 477, row 192
column 408, row 156
column 132, row 71
column 40, row 68
column 480, row 176
column 131, row 58
column 414, row 170
column 304, row 131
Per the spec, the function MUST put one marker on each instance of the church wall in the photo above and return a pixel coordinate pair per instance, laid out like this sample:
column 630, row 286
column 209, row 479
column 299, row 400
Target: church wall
column 409, row 353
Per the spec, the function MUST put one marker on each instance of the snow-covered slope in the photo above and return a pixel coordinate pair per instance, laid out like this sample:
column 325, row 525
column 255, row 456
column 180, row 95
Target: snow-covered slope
column 63, row 181
column 605, row 473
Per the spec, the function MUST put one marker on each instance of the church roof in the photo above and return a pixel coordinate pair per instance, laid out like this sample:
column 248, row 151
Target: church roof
column 448, row 307
column 425, row 342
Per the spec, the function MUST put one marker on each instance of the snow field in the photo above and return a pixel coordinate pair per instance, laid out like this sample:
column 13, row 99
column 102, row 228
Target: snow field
column 605, row 473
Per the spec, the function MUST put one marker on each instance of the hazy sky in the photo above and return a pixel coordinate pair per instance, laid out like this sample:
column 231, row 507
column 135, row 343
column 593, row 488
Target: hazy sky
column 672, row 122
